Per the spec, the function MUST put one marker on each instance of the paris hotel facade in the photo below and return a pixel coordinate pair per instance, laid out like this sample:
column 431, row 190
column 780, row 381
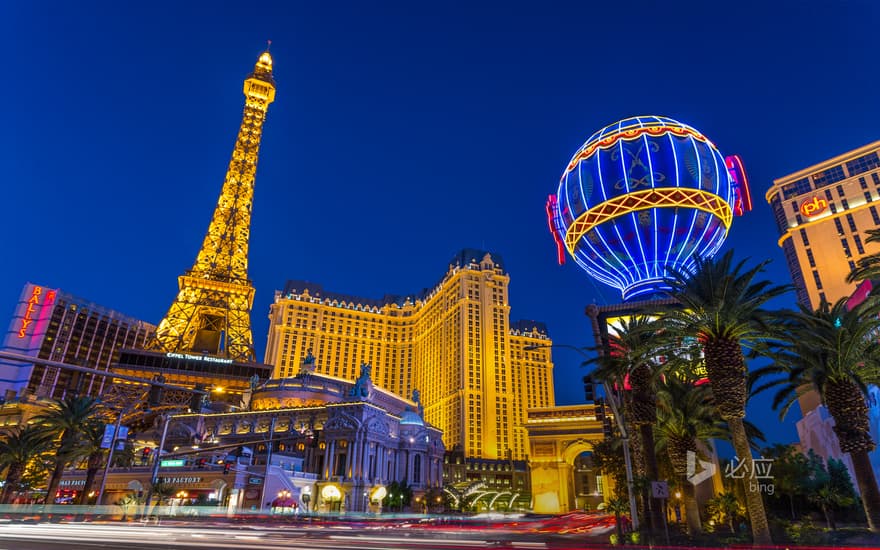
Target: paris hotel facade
column 477, row 371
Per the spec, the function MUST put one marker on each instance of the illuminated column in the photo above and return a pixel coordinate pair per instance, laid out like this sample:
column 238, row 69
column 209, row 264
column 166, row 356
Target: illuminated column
column 212, row 310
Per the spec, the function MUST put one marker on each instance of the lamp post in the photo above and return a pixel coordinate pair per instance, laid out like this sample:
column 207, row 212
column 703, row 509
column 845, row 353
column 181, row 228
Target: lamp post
column 268, row 460
column 616, row 402
column 113, row 440
column 154, row 475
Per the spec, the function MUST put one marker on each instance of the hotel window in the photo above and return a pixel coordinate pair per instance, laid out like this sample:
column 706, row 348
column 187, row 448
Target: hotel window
column 868, row 196
column 875, row 215
column 852, row 265
column 833, row 207
column 862, row 183
column 863, row 164
column 846, row 250
column 827, row 177
column 799, row 187
column 804, row 237
column 845, row 204
column 840, row 191
column 810, row 258
column 859, row 246
column 817, row 279
column 851, row 222
column 828, row 195
column 839, row 226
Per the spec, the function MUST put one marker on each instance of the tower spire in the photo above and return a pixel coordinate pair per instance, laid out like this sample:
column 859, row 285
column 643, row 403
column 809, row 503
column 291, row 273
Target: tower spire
column 212, row 311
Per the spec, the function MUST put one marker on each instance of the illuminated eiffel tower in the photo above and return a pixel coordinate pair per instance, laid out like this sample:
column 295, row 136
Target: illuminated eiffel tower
column 212, row 311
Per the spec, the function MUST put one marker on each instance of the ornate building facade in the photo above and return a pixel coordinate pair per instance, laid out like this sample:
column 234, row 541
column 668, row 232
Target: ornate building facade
column 454, row 341
column 327, row 444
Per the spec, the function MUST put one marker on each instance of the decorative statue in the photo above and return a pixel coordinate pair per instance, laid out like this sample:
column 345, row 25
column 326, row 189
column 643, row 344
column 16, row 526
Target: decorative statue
column 308, row 363
column 255, row 381
column 417, row 399
column 363, row 385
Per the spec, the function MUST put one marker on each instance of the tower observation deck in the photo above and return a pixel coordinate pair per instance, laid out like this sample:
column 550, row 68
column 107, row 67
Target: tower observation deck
column 212, row 311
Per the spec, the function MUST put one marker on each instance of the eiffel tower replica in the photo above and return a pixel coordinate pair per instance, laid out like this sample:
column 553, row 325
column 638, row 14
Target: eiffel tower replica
column 212, row 311
column 205, row 338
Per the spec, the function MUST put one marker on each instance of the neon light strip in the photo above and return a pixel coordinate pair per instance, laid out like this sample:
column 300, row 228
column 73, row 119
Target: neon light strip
column 644, row 200
column 653, row 218
column 674, row 218
column 599, row 233
column 552, row 207
column 635, row 220
column 629, row 135
column 689, row 255
column 718, row 174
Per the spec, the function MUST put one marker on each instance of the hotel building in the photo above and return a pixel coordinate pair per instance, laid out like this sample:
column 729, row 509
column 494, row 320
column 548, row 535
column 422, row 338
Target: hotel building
column 54, row 325
column 454, row 343
column 822, row 213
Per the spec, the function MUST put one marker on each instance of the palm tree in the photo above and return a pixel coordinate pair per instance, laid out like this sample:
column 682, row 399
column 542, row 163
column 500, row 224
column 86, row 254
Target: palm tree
column 687, row 421
column 161, row 491
column 869, row 266
column 721, row 304
column 686, row 415
column 19, row 448
column 834, row 351
column 618, row 507
column 725, row 507
column 66, row 419
column 90, row 446
column 827, row 498
column 628, row 360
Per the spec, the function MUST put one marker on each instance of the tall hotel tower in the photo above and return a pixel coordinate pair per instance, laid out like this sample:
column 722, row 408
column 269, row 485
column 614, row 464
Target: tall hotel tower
column 454, row 343
column 822, row 213
column 54, row 325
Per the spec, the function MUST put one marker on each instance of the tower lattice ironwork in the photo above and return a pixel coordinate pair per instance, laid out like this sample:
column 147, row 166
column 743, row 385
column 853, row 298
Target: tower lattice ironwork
column 212, row 311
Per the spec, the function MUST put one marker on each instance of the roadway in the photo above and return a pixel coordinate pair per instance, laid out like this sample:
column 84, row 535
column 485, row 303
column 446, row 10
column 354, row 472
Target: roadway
column 90, row 536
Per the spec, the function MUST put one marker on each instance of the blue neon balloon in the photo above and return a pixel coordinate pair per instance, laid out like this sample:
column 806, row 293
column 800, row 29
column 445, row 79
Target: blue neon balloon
column 640, row 196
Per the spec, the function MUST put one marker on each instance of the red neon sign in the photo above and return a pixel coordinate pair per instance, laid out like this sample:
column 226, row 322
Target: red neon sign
column 813, row 207
column 32, row 303
column 551, row 208
column 742, row 193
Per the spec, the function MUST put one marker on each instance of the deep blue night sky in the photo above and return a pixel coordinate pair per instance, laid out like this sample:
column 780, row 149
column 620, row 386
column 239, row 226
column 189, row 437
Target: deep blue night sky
column 400, row 134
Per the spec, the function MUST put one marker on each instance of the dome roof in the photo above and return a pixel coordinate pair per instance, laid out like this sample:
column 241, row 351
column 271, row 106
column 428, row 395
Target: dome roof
column 411, row 418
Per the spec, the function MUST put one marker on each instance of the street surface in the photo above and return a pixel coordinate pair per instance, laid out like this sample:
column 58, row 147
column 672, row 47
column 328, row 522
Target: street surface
column 83, row 536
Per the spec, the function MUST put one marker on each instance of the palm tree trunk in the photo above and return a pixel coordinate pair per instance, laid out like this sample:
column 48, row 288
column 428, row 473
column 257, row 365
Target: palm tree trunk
column 90, row 480
column 54, row 482
column 691, row 508
column 867, row 487
column 829, row 517
column 754, row 500
column 646, row 433
column 619, row 528
column 13, row 479
column 791, row 502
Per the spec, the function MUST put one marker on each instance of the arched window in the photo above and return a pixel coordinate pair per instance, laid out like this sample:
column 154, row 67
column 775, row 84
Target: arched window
column 417, row 469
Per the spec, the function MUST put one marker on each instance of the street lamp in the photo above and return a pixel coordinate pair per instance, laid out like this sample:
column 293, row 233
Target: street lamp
column 615, row 399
